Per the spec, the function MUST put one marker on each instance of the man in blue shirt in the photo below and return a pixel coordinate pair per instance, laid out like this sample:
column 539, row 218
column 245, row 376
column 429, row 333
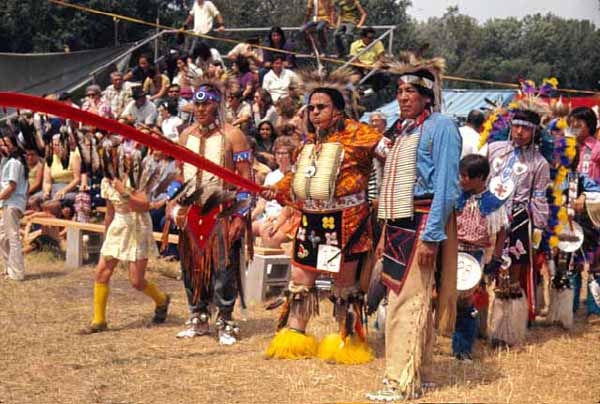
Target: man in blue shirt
column 418, row 193
column 13, row 198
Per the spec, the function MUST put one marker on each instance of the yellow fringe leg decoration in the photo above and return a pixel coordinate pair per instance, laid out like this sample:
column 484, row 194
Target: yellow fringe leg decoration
column 351, row 350
column 292, row 344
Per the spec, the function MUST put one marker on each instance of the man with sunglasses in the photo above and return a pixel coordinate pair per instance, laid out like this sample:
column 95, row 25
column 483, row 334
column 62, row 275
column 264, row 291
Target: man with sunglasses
column 334, row 236
column 211, row 274
column 418, row 192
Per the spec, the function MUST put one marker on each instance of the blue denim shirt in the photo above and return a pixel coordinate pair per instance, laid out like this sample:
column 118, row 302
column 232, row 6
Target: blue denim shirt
column 438, row 156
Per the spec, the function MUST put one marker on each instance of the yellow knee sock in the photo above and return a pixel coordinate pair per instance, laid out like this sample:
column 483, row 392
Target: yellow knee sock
column 154, row 292
column 100, row 300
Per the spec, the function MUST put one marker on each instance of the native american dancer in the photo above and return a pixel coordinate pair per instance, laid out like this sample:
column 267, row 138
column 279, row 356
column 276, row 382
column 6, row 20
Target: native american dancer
column 583, row 124
column 211, row 263
column 481, row 220
column 334, row 236
column 128, row 236
column 520, row 175
column 419, row 190
column 573, row 223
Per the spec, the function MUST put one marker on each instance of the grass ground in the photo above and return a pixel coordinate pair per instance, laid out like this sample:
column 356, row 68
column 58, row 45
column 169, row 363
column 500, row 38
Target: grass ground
column 43, row 360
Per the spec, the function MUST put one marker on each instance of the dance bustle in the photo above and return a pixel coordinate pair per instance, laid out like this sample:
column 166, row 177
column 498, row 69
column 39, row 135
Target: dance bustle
column 561, row 307
column 508, row 320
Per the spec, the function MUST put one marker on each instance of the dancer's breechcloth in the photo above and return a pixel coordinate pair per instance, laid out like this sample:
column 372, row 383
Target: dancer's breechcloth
column 409, row 312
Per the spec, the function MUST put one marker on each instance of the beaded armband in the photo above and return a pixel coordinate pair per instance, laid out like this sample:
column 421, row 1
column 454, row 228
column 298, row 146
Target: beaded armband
column 241, row 157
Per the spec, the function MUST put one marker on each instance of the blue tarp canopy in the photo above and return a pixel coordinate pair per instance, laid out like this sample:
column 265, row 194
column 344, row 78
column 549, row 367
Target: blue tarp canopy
column 457, row 103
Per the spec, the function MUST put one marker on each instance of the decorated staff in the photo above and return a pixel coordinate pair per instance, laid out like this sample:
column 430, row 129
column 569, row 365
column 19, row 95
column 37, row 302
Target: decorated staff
column 520, row 176
column 329, row 186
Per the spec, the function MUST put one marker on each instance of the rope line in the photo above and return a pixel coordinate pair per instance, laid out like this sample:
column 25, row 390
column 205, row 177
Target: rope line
column 336, row 61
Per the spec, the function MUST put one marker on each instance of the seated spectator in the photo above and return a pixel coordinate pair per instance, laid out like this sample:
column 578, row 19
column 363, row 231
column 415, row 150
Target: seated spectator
column 157, row 85
column 374, row 54
column 117, row 95
column 36, row 173
column 187, row 73
column 238, row 111
column 378, row 121
column 173, row 94
column 35, row 236
column 248, row 50
column 63, row 175
column 217, row 72
column 350, row 16
column 141, row 72
column 94, row 102
column 204, row 56
column 170, row 122
column 259, row 169
column 295, row 92
column 265, row 139
column 245, row 77
column 279, row 79
column 140, row 111
column 66, row 98
column 263, row 108
column 319, row 16
column 286, row 109
column 170, row 62
column 273, row 223
column 277, row 40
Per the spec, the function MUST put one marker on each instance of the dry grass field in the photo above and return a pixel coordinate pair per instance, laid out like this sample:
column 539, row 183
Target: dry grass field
column 43, row 360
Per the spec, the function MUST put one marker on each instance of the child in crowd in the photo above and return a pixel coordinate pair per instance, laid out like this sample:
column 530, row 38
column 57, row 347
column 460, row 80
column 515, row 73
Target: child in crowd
column 481, row 219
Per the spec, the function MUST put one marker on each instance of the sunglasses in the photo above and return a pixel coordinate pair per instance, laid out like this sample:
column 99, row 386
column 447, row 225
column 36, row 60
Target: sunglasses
column 90, row 95
column 319, row 107
column 173, row 91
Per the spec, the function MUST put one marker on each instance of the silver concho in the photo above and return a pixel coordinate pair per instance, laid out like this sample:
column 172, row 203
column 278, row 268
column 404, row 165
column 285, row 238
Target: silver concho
column 310, row 171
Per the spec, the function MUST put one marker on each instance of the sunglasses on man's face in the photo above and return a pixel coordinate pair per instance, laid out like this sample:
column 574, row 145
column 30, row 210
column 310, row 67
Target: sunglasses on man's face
column 319, row 107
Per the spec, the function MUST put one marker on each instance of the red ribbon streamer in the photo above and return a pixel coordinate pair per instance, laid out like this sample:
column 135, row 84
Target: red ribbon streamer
column 178, row 152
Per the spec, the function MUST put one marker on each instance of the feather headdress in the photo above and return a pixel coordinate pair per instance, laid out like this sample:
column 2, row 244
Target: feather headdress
column 527, row 109
column 529, row 98
column 339, row 80
column 412, row 68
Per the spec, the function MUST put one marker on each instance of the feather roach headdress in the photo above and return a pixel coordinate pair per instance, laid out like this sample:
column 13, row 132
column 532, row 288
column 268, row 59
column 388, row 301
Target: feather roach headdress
column 337, row 84
column 423, row 73
column 527, row 109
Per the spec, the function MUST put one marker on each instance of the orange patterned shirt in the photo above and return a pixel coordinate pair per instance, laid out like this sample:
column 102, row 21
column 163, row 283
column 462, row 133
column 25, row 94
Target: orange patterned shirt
column 359, row 141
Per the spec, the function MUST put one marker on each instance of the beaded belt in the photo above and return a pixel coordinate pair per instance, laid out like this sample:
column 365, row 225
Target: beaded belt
column 342, row 202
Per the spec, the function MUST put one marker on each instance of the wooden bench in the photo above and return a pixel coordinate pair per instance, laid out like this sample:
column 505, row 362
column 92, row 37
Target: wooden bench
column 74, row 258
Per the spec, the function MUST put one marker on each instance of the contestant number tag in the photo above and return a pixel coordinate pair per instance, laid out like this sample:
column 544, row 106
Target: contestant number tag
column 329, row 258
